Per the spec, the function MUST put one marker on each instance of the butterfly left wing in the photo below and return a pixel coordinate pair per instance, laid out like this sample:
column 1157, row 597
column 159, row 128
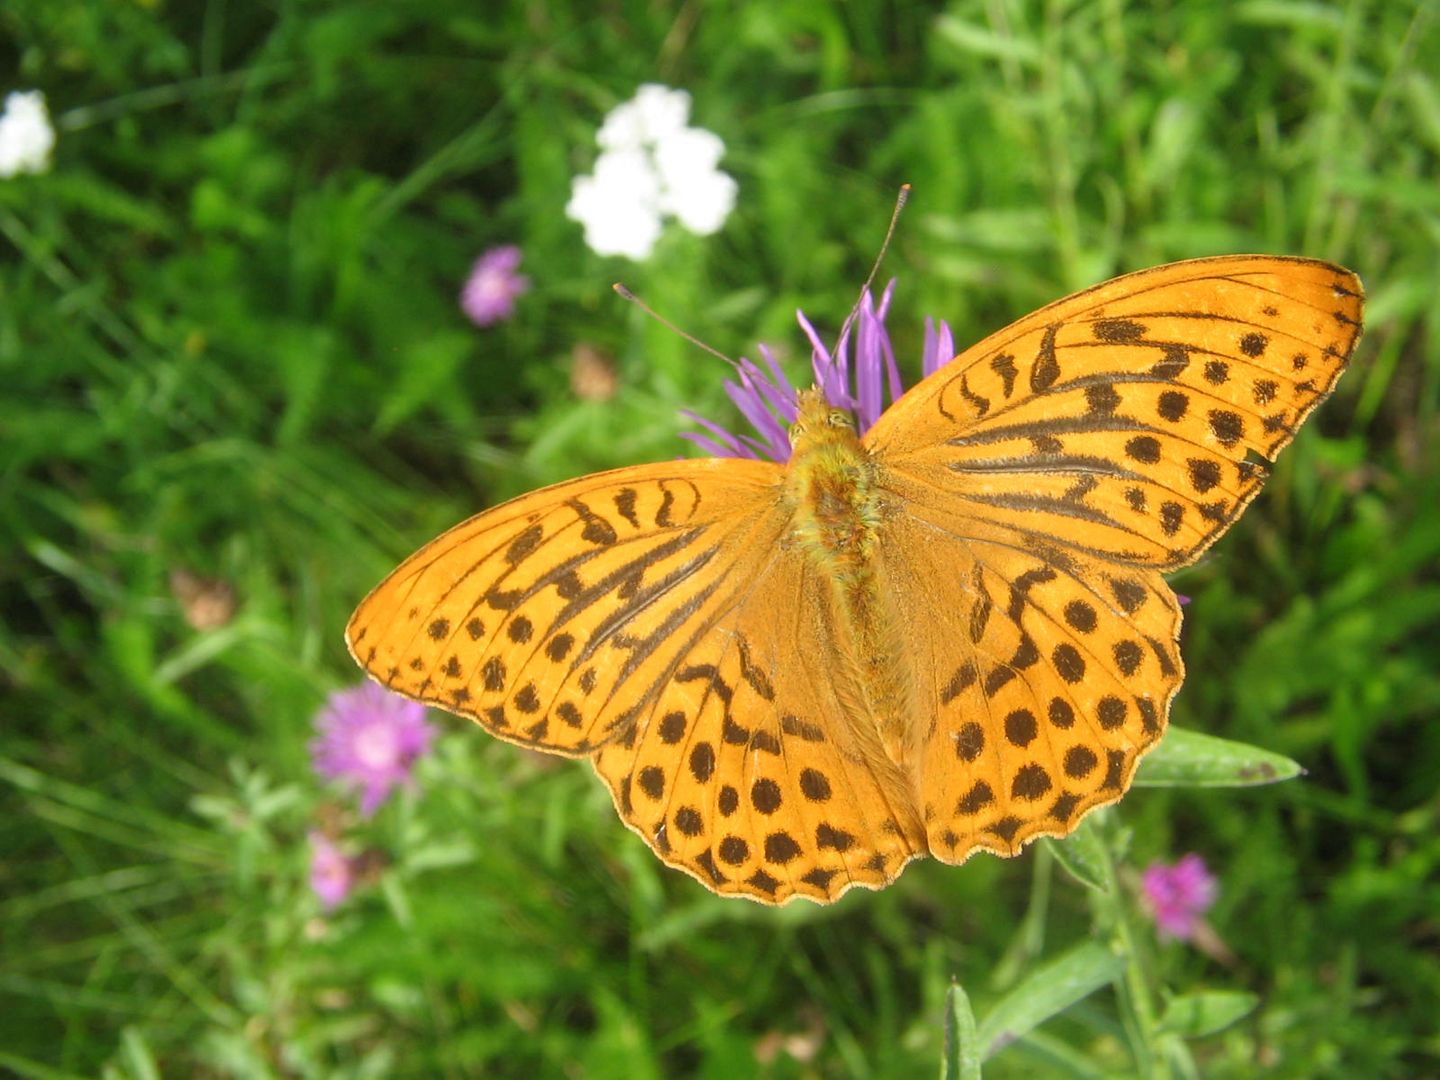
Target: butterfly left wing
column 655, row 619
column 746, row 772
column 524, row 618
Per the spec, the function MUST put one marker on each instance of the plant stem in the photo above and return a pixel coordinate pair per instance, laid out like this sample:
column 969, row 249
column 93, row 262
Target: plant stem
column 1135, row 993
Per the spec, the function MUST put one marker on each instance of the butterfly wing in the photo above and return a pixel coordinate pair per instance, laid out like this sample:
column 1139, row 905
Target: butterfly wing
column 546, row 618
column 654, row 618
column 1039, row 483
column 746, row 774
column 1131, row 422
column 1042, row 676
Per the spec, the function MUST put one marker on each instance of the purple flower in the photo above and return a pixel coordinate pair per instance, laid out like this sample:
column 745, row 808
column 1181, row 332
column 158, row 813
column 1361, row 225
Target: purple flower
column 490, row 291
column 766, row 398
column 1178, row 895
column 332, row 875
column 370, row 738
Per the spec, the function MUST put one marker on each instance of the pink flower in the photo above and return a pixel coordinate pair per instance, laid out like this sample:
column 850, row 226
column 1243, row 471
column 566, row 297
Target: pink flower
column 490, row 291
column 370, row 738
column 332, row 875
column 766, row 398
column 1178, row 895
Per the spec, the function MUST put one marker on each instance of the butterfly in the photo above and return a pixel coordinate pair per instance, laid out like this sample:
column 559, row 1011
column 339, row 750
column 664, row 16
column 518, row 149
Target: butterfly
column 949, row 635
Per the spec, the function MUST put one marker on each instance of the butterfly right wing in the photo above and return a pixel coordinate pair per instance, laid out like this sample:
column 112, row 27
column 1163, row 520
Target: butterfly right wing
column 1041, row 677
column 1040, row 480
column 1128, row 422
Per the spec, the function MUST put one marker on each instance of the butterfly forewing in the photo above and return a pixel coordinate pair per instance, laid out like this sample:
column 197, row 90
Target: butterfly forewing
column 548, row 619
column 1130, row 422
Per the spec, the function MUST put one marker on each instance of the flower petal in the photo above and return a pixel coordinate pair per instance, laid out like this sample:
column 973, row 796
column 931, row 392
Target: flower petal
column 26, row 135
column 702, row 202
column 687, row 153
column 939, row 346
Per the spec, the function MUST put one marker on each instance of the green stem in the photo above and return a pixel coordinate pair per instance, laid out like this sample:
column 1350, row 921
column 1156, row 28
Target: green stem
column 1136, row 995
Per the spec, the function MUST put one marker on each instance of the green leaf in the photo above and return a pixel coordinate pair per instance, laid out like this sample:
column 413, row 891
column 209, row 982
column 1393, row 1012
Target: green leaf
column 1206, row 1012
column 962, row 1044
column 1190, row 759
column 430, row 365
column 135, row 1052
column 1050, row 990
column 967, row 37
column 305, row 357
column 1082, row 854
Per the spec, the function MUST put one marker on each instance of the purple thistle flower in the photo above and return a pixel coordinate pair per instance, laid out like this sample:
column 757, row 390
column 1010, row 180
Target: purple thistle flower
column 490, row 290
column 1178, row 895
column 766, row 398
column 332, row 875
column 370, row 738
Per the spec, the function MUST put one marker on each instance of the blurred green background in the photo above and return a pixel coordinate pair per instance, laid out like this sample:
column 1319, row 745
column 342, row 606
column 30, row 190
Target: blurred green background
column 233, row 362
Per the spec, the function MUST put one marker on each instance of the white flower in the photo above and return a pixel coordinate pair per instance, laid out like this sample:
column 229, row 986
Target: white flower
column 691, row 187
column 618, row 205
column 26, row 137
column 616, row 221
column 651, row 166
column 702, row 204
column 687, row 153
column 652, row 114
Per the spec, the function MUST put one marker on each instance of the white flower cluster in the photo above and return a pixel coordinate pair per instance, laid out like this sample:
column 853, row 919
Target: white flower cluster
column 26, row 137
column 651, row 165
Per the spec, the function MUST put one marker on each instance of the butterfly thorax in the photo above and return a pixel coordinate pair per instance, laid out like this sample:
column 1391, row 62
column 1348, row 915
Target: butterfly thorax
column 830, row 484
column 837, row 513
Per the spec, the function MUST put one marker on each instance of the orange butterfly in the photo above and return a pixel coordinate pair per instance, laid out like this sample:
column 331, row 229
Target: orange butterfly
column 948, row 635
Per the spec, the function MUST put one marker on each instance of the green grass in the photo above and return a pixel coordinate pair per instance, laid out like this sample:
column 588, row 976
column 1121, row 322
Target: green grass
column 229, row 344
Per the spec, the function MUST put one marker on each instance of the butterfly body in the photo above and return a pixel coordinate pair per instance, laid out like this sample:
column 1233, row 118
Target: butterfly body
column 948, row 635
column 838, row 509
column 830, row 490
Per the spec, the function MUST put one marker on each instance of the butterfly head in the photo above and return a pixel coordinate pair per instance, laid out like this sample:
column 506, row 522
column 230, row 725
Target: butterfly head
column 818, row 423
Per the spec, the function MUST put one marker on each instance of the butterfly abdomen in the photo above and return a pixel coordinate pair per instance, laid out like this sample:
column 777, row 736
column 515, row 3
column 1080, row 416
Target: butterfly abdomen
column 837, row 511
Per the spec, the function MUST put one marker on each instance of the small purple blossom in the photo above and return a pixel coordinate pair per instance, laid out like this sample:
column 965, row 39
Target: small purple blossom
column 490, row 290
column 766, row 398
column 1178, row 895
column 332, row 875
column 370, row 738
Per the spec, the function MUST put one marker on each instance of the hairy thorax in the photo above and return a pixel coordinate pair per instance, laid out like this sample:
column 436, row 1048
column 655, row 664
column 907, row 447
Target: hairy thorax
column 838, row 511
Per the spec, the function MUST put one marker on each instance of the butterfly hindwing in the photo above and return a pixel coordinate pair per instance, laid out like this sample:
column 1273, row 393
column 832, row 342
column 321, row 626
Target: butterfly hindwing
column 1052, row 675
column 745, row 772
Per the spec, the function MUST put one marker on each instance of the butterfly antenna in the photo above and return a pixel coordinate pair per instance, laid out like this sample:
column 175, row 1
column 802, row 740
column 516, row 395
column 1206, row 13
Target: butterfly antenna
column 626, row 294
column 900, row 200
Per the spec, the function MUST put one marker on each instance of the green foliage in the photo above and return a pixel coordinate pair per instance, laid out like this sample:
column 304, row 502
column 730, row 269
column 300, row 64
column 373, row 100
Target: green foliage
column 1191, row 759
column 230, row 348
column 962, row 1041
